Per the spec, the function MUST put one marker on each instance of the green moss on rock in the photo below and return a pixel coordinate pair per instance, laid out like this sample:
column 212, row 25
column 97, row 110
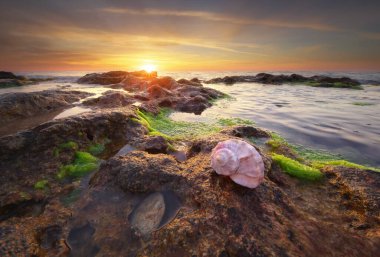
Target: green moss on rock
column 96, row 149
column 42, row 184
column 296, row 169
column 343, row 163
column 162, row 125
column 83, row 164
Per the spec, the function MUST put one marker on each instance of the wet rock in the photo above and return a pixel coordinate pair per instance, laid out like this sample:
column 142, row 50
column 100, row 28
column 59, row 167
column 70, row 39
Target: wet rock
column 80, row 240
column 157, row 91
column 132, row 83
column 165, row 82
column 111, row 99
column 194, row 82
column 148, row 214
column 152, row 144
column 194, row 105
column 246, row 131
column 20, row 105
column 49, row 237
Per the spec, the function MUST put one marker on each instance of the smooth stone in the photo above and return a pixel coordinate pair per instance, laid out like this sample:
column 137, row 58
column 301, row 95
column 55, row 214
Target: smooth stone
column 148, row 214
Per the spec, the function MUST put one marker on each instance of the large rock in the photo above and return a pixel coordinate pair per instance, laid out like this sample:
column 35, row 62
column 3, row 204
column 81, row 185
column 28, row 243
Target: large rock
column 222, row 218
column 113, row 77
column 8, row 75
column 21, row 105
column 107, row 78
column 111, row 99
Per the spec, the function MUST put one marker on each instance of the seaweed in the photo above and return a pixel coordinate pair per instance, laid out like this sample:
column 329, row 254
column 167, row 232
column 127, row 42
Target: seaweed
column 362, row 103
column 162, row 125
column 296, row 169
column 69, row 145
column 96, row 149
column 343, row 163
column 83, row 164
column 42, row 184
column 316, row 158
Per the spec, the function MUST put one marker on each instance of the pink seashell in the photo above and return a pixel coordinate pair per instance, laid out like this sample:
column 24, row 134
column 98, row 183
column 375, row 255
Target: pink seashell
column 240, row 161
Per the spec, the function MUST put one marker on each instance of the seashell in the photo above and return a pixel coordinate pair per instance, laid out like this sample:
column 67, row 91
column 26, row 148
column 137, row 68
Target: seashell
column 238, row 160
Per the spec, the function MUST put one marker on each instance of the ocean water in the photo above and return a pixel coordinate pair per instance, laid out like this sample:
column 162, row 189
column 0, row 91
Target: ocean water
column 342, row 121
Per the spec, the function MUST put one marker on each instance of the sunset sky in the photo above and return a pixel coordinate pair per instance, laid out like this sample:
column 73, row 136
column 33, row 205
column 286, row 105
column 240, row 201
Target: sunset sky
column 175, row 35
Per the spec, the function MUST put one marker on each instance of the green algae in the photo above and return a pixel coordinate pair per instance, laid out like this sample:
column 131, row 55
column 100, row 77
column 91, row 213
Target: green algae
column 362, row 103
column 162, row 125
column 276, row 141
column 342, row 163
column 316, row 158
column 96, row 149
column 334, row 85
column 296, row 169
column 72, row 197
column 83, row 164
column 69, row 145
column 42, row 184
column 25, row 195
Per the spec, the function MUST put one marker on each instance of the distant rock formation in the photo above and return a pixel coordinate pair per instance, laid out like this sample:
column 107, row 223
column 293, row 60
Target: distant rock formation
column 8, row 79
column 265, row 78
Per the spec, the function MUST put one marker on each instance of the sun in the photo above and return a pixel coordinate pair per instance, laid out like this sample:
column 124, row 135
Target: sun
column 149, row 67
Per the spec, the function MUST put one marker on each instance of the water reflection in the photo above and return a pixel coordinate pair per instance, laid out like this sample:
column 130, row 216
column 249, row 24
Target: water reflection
column 324, row 118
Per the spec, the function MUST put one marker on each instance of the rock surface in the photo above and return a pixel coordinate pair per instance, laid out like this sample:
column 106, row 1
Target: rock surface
column 21, row 105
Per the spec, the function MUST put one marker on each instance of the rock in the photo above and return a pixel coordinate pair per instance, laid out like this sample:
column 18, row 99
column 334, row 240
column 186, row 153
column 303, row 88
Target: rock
column 133, row 83
column 7, row 75
column 107, row 78
column 194, row 105
column 194, row 82
column 8, row 79
column 221, row 213
column 148, row 214
column 157, row 91
column 152, row 144
column 21, row 105
column 139, row 172
column 111, row 99
column 165, row 82
column 265, row 78
column 39, row 145
column 246, row 131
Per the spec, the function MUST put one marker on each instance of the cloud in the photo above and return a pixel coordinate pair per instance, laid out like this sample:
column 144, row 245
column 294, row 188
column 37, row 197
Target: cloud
column 210, row 16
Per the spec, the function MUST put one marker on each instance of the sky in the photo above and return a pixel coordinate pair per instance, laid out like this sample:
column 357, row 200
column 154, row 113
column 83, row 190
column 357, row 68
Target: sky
column 184, row 35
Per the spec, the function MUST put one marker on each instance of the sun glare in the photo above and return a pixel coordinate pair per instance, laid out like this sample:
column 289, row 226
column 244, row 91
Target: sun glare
column 149, row 67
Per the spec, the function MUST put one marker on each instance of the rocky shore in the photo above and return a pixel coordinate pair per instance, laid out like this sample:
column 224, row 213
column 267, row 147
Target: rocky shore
column 314, row 81
column 8, row 79
column 111, row 183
